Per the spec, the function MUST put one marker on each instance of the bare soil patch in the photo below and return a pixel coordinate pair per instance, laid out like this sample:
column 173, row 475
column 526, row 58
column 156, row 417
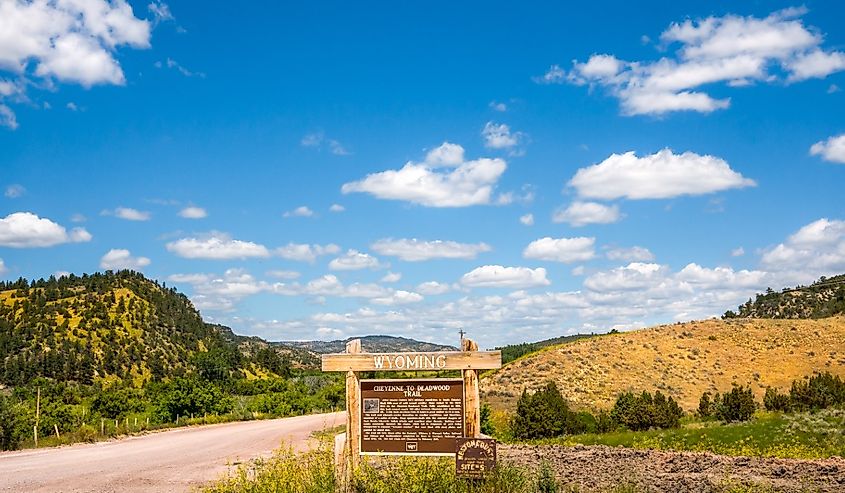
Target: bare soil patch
column 601, row 467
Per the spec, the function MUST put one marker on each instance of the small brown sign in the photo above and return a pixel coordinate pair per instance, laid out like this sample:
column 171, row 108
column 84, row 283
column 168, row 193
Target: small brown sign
column 415, row 416
column 474, row 457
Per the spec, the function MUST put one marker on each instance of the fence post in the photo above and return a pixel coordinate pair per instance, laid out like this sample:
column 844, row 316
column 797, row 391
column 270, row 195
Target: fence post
column 346, row 465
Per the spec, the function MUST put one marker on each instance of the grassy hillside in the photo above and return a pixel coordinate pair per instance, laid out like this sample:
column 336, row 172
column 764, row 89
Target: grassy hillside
column 516, row 351
column 107, row 327
column 682, row 360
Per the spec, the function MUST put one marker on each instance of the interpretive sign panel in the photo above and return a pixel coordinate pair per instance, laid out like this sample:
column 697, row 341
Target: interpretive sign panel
column 416, row 416
column 474, row 457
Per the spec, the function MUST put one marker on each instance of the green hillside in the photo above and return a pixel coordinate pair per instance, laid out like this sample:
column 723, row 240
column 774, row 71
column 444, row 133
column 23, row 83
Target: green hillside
column 112, row 326
column 824, row 298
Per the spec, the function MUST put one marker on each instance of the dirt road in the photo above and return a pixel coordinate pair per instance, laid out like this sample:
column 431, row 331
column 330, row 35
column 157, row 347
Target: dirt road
column 169, row 461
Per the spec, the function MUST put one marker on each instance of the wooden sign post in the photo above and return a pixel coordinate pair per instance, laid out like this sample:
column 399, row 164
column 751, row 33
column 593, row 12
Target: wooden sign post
column 407, row 417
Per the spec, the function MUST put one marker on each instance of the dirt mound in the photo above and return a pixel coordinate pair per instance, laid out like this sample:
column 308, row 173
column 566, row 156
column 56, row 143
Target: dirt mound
column 596, row 468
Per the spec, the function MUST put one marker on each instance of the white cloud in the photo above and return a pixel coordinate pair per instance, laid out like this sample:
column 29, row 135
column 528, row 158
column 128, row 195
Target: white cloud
column 414, row 250
column 337, row 208
column 161, row 12
column 633, row 254
column 433, row 288
column 193, row 212
column 354, row 260
column 26, row 230
column 78, row 218
column 814, row 250
column 565, row 250
column 734, row 50
column 283, row 274
column 497, row 276
column 465, row 183
column 582, row 213
column 555, row 75
column 738, row 252
column 3, row 268
column 174, row 65
column 69, row 41
column 499, row 136
column 398, row 297
column 128, row 214
column 498, row 106
column 216, row 246
column 120, row 258
column 319, row 141
column 721, row 277
column 72, row 106
column 832, row 149
column 661, row 175
column 301, row 211
column 527, row 219
column 303, row 252
column 14, row 191
column 391, row 277
column 635, row 275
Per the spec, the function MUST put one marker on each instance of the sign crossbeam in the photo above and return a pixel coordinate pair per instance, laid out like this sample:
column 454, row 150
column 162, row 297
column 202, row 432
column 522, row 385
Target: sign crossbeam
column 416, row 361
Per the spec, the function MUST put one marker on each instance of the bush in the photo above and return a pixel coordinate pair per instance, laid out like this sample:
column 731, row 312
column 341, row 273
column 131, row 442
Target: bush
column 705, row 406
column 644, row 411
column 184, row 397
column 736, row 405
column 544, row 414
column 117, row 403
column 817, row 392
column 775, row 401
column 486, row 423
column 11, row 425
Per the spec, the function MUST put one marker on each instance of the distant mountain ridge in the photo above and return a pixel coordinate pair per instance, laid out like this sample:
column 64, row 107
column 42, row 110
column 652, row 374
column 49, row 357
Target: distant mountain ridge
column 823, row 298
column 370, row 344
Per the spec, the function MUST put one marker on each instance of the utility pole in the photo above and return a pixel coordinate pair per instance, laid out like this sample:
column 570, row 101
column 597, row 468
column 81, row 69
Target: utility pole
column 462, row 333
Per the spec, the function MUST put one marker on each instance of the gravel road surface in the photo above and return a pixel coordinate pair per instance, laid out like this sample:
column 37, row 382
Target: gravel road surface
column 167, row 461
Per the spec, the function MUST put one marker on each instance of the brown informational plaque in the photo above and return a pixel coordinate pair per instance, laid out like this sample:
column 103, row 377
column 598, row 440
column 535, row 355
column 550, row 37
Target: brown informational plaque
column 474, row 457
column 414, row 416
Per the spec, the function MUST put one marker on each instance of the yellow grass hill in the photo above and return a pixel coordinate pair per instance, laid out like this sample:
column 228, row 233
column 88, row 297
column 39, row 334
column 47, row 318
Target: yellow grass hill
column 681, row 360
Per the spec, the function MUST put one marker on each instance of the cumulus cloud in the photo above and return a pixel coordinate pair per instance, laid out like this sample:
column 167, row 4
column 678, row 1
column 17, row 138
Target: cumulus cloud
column 120, row 258
column 14, row 191
column 28, row 230
column 583, row 213
column 303, row 252
column 636, row 275
column 721, row 277
column 499, row 136
column 354, row 260
column 633, row 254
column 398, row 297
column 193, row 212
column 283, row 274
column 732, row 50
column 565, row 250
column 414, row 250
column 661, row 175
column 527, row 219
column 738, row 252
column 128, row 214
column 72, row 42
column 497, row 276
column 337, row 208
column 832, row 149
column 498, row 106
column 815, row 249
column 444, row 179
column 301, row 211
column 216, row 246
column 391, row 277
column 433, row 288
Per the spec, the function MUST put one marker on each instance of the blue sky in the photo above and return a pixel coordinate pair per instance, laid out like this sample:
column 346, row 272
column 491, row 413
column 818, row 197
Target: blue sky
column 323, row 170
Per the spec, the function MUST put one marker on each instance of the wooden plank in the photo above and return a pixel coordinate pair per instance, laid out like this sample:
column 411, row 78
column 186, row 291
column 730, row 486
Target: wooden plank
column 353, row 413
column 472, row 399
column 444, row 360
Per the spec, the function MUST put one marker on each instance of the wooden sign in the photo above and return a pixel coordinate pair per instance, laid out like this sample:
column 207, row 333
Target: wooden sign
column 411, row 417
column 442, row 360
column 474, row 457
